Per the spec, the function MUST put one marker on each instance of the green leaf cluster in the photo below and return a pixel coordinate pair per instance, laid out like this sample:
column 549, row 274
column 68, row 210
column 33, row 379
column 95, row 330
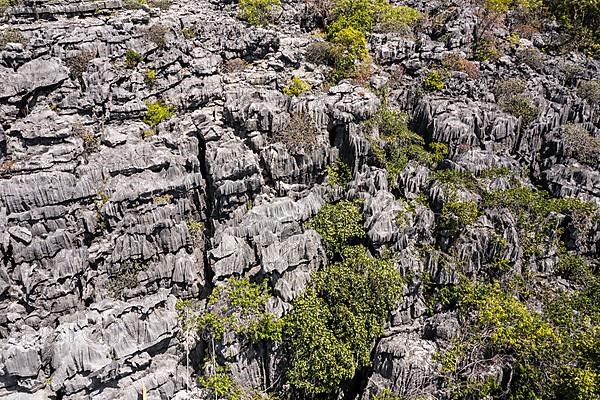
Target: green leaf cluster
column 433, row 81
column 338, row 224
column 257, row 12
column 396, row 144
column 339, row 173
column 222, row 385
column 132, row 58
column 296, row 87
column 158, row 112
column 334, row 323
column 553, row 350
column 239, row 305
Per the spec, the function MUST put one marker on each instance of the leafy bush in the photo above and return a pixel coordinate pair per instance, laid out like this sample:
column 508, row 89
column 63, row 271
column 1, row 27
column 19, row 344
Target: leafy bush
column 397, row 19
column 339, row 173
column 458, row 214
column 590, row 90
column 296, row 87
column 257, row 12
column 240, row 306
column 221, row 385
column 350, row 48
column 553, row 353
column 580, row 144
column 132, row 58
column 510, row 97
column 338, row 224
column 150, row 77
column 433, row 81
column 582, row 18
column 333, row 324
column 396, row 144
column 322, row 53
column 11, row 36
column 158, row 112
column 521, row 107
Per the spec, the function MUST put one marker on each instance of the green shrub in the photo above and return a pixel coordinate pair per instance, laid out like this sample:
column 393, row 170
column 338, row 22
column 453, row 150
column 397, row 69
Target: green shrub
column 150, row 77
column 581, row 18
column 339, row 173
column 296, row 87
column 433, row 81
column 590, row 90
column 397, row 19
column 321, row 53
column 396, row 144
column 240, row 306
column 458, row 214
column 221, row 385
column 158, row 112
column 338, row 224
column 257, row 12
column 11, row 36
column 132, row 58
column 385, row 394
column 350, row 48
column 332, row 326
column 521, row 107
column 531, row 57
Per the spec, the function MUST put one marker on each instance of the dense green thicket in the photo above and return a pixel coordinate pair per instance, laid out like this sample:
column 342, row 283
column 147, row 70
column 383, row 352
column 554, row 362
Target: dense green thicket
column 552, row 352
column 332, row 327
column 582, row 18
column 257, row 12
column 396, row 144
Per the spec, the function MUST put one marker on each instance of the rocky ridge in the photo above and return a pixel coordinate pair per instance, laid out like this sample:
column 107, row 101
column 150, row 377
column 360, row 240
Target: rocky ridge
column 105, row 221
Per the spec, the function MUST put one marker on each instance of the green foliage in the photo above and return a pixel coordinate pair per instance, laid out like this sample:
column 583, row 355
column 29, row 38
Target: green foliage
column 536, row 213
column 338, row 224
column 458, row 214
column 581, row 18
column 240, row 306
column 150, row 77
column 580, row 144
column 158, row 112
column 11, row 36
column 396, row 144
column 353, row 20
column 439, row 151
column 339, row 173
column 385, row 394
column 257, row 12
column 554, row 353
column 333, row 324
column 222, row 385
column 296, row 87
column 454, row 179
column 521, row 107
column 132, row 58
column 349, row 48
column 433, row 81
column 123, row 278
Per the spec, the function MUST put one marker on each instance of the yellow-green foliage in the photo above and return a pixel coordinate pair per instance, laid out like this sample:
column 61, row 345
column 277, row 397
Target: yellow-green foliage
column 397, row 144
column 338, row 224
column 333, row 324
column 257, row 12
column 296, row 87
column 150, row 77
column 132, row 58
column 353, row 20
column 385, row 394
column 222, row 385
column 158, row 112
column 339, row 173
column 554, row 350
column 240, row 306
column 433, row 81
column 457, row 214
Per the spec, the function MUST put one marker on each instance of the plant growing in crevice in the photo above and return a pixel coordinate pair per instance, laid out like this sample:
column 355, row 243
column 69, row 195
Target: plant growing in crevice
column 296, row 87
column 339, row 173
column 257, row 12
column 300, row 133
column 132, row 58
column 158, row 112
